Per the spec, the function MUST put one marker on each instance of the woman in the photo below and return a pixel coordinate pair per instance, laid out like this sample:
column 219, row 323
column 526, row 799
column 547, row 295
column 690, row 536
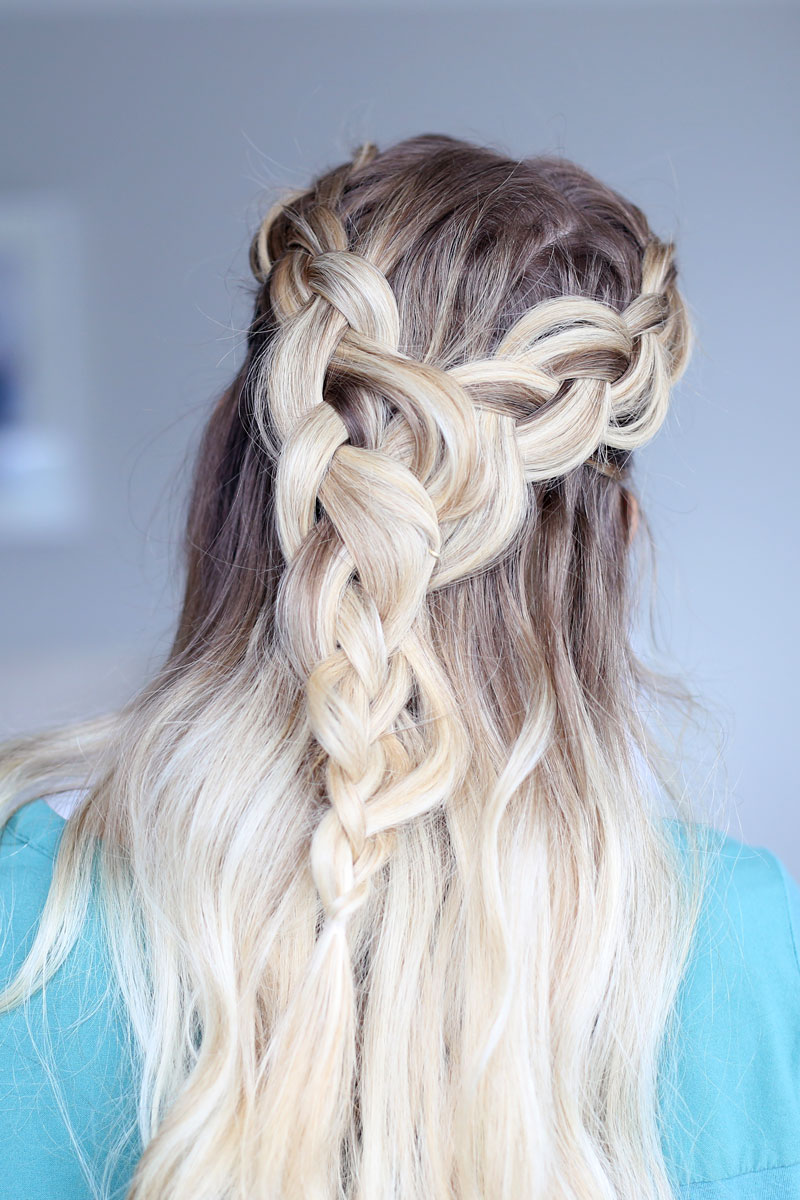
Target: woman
column 371, row 891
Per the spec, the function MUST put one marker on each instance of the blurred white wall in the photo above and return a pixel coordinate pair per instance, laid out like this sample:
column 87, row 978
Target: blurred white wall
column 160, row 125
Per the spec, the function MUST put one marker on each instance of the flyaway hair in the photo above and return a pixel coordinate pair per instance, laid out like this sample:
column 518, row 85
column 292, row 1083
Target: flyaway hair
column 390, row 894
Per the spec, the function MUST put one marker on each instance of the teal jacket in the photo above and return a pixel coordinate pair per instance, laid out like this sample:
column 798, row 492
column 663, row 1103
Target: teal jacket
column 731, row 1129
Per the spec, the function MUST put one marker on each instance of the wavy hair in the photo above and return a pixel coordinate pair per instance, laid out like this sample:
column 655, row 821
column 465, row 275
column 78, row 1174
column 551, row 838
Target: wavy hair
column 385, row 876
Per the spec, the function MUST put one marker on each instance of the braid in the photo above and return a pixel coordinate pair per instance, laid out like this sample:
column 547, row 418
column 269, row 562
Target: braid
column 437, row 490
column 363, row 567
column 368, row 563
column 589, row 375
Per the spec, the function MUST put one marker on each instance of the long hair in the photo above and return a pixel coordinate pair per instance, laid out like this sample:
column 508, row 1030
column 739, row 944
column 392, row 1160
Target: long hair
column 385, row 876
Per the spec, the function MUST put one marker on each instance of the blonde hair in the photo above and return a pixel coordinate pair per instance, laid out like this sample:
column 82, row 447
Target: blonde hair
column 383, row 879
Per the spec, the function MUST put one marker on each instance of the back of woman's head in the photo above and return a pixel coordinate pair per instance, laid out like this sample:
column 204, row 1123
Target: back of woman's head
column 385, row 888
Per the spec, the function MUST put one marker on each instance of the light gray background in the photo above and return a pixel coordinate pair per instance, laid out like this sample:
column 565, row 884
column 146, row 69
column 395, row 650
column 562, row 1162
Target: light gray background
column 163, row 125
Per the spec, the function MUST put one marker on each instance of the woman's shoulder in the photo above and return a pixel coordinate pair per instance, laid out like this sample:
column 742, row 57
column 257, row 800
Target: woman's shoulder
column 751, row 911
column 36, row 824
column 732, row 1101
column 65, row 1066
column 29, row 841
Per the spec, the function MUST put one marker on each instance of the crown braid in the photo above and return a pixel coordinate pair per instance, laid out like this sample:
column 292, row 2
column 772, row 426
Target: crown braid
column 589, row 376
column 586, row 376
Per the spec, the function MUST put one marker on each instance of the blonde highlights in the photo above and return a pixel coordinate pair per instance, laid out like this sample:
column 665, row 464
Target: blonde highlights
column 384, row 886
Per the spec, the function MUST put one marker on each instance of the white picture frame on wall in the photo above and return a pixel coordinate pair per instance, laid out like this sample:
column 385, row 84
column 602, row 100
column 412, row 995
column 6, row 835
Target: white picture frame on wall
column 44, row 477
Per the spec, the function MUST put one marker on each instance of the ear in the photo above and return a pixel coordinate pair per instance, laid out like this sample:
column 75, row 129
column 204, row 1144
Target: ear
column 632, row 513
